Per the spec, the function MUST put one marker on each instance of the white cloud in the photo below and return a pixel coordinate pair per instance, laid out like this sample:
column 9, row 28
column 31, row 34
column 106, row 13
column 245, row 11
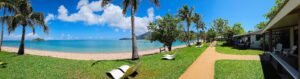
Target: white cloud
column 28, row 36
column 117, row 30
column 49, row 17
column 88, row 12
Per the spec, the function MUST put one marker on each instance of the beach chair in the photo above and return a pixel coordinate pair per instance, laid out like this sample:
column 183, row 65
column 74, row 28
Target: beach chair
column 287, row 52
column 123, row 72
column 278, row 48
column 162, row 49
column 169, row 57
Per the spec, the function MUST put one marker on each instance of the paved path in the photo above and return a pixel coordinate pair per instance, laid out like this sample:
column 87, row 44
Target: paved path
column 203, row 67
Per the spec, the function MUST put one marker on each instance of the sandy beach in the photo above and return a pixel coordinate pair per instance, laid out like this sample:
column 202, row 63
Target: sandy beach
column 85, row 56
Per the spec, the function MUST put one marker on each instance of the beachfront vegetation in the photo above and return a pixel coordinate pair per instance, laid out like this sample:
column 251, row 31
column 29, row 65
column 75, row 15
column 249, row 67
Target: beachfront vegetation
column 200, row 27
column 211, row 34
column 221, row 48
column 271, row 14
column 133, row 5
column 165, row 30
column 238, row 29
column 261, row 25
column 238, row 69
column 40, row 67
column 5, row 5
column 274, row 10
column 220, row 26
column 221, row 29
column 24, row 17
column 186, row 14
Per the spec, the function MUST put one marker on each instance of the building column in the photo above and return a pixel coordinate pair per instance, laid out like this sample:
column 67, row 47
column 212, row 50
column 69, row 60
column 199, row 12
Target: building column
column 263, row 42
column 292, row 37
column 298, row 44
column 270, row 41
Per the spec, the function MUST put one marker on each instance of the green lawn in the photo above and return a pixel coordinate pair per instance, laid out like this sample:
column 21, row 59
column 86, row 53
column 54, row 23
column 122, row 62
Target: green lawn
column 238, row 69
column 232, row 50
column 39, row 67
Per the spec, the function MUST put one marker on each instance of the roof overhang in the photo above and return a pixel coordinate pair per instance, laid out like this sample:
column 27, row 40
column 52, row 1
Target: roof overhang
column 287, row 16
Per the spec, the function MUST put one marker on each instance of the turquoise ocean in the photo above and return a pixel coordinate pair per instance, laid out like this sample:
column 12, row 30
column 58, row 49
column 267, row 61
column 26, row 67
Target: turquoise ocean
column 88, row 46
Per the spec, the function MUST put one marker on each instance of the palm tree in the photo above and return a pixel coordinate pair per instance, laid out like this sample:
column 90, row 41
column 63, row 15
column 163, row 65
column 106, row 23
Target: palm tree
column 5, row 5
column 186, row 14
column 199, row 24
column 25, row 17
column 134, row 6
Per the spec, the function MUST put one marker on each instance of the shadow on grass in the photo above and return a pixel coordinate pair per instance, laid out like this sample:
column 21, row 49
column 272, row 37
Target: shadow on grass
column 235, row 47
column 124, row 60
column 268, row 70
column 3, row 65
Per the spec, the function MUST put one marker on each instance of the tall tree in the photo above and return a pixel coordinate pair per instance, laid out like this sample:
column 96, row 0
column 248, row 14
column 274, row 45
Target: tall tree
column 238, row 29
column 133, row 5
column 261, row 25
column 25, row 17
column 6, row 5
column 200, row 26
column 186, row 14
column 165, row 30
column 273, row 11
column 220, row 25
column 211, row 34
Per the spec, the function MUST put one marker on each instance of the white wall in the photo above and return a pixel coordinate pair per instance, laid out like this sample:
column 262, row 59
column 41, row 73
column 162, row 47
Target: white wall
column 254, row 43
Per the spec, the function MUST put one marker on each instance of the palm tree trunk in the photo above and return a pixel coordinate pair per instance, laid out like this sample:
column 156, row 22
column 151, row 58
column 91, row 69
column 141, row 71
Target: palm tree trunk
column 21, row 48
column 188, row 35
column 2, row 31
column 198, row 35
column 135, row 55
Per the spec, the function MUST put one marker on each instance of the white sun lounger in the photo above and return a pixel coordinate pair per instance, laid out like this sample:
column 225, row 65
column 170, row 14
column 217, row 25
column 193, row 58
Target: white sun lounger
column 169, row 57
column 124, row 71
column 118, row 73
column 199, row 46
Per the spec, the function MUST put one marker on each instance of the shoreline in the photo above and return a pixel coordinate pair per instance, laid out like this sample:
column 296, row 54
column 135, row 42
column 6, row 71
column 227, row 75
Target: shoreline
column 87, row 55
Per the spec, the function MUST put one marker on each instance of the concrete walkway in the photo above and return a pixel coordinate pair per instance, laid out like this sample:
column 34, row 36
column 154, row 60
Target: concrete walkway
column 203, row 67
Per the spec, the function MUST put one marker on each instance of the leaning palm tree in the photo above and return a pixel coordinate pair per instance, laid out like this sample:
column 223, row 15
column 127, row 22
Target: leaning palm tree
column 199, row 24
column 133, row 4
column 25, row 17
column 6, row 5
column 186, row 14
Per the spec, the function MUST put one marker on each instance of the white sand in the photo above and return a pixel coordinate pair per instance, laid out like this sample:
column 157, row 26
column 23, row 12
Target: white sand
column 85, row 56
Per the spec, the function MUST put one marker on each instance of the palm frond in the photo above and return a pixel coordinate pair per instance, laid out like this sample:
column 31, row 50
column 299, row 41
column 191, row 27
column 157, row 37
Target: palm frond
column 156, row 2
column 10, row 7
column 105, row 2
column 125, row 4
column 10, row 23
column 31, row 25
column 135, row 4
column 38, row 19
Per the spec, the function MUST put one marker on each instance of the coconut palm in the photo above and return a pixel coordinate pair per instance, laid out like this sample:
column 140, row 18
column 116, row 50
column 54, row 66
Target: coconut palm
column 25, row 17
column 6, row 5
column 186, row 14
column 133, row 4
column 199, row 24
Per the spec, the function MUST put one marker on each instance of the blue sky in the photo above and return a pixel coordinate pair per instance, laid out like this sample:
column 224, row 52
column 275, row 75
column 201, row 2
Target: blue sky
column 85, row 19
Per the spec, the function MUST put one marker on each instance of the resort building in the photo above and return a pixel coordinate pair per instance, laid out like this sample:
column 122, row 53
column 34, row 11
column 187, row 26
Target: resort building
column 282, row 35
column 251, row 40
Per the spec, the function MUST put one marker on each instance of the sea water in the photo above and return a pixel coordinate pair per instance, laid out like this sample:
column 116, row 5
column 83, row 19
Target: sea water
column 88, row 46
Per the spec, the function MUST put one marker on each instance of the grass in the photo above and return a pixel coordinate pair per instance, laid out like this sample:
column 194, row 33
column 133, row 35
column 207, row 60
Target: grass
column 231, row 50
column 40, row 67
column 238, row 69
